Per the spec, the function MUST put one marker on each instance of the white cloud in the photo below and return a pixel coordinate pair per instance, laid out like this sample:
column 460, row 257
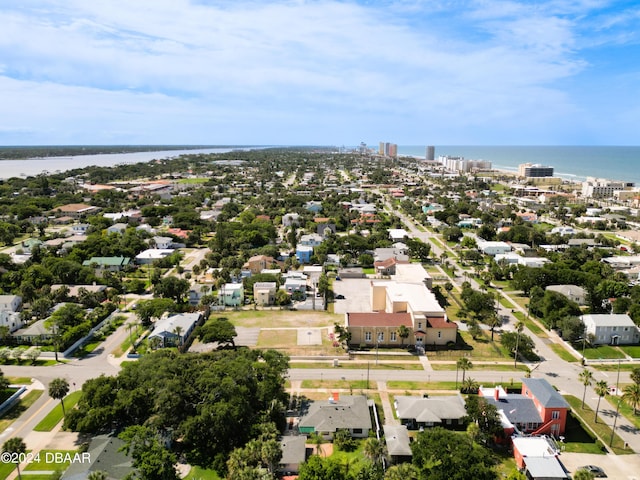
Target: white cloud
column 175, row 67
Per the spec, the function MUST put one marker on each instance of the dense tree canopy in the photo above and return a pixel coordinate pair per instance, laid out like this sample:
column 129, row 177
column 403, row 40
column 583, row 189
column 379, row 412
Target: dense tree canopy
column 208, row 402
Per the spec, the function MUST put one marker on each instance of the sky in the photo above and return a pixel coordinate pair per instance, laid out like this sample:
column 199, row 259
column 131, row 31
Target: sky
column 298, row 72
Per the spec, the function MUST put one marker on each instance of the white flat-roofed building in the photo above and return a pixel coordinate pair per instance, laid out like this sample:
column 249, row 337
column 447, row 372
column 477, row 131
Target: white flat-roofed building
column 10, row 316
column 530, row 170
column 150, row 255
column 602, row 187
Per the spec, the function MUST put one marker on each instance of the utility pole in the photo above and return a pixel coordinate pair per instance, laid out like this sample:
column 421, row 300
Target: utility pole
column 615, row 419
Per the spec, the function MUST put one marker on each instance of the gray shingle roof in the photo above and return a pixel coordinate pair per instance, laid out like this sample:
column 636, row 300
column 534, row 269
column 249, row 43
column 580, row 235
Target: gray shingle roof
column 517, row 408
column 350, row 411
column 545, row 393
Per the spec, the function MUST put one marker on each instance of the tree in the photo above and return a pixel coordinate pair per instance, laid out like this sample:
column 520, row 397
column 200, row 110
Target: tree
column 33, row 354
column 631, row 395
column 318, row 468
column 601, row 389
column 219, row 330
column 635, row 375
column 440, row 454
column 58, row 389
column 97, row 475
column 151, row 460
column 519, row 328
column 586, row 377
column 463, row 364
column 402, row 471
column 172, row 287
column 525, row 344
column 583, row 474
column 403, row 333
column 147, row 310
column 15, row 446
column 374, row 450
column 485, row 416
column 470, row 386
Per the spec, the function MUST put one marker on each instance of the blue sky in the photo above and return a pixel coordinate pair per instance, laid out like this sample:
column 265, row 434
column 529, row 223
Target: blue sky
column 485, row 72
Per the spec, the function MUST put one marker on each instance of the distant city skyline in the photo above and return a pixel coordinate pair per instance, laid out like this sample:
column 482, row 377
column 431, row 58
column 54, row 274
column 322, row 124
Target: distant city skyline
column 300, row 72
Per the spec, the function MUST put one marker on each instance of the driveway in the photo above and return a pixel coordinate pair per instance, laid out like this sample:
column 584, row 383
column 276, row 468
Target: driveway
column 619, row 467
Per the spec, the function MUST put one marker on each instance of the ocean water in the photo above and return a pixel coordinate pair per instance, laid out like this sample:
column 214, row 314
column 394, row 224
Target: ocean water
column 572, row 162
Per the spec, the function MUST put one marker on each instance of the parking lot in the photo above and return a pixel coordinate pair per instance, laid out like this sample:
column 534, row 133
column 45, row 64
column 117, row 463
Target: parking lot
column 357, row 295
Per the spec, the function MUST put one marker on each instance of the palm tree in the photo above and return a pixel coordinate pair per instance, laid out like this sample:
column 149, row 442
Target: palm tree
column 178, row 332
column 631, row 395
column 374, row 450
column 601, row 389
column 97, row 475
column 58, row 389
column 583, row 474
column 519, row 328
column 317, row 440
column 470, row 386
column 463, row 364
column 586, row 377
column 403, row 333
column 16, row 446
column 402, row 471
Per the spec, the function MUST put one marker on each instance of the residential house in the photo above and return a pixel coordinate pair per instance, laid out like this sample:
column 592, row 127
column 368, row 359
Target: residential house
column 382, row 254
column 398, row 443
column 311, row 240
column 10, row 317
column 538, row 409
column 175, row 329
column 294, row 453
column 119, row 228
column 257, row 263
column 105, row 454
column 163, row 243
column 197, row 291
column 113, row 264
column 611, row 329
column 290, row 219
column 386, row 267
column 231, row 294
column 313, row 206
column 80, row 228
column 264, row 293
column 493, row 248
column 339, row 412
column 75, row 210
column 397, row 234
column 419, row 412
column 326, row 229
column 304, row 253
column 572, row 292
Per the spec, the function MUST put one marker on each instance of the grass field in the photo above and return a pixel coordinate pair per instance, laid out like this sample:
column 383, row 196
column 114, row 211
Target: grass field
column 632, row 350
column 277, row 338
column 500, row 367
column 19, row 380
column 280, row 318
column 54, row 417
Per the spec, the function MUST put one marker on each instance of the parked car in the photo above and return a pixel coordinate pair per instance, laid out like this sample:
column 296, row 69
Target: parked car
column 340, row 297
column 596, row 471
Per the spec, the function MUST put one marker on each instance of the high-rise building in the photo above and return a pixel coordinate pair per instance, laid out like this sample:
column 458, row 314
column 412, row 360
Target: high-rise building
column 431, row 153
column 530, row 170
column 393, row 150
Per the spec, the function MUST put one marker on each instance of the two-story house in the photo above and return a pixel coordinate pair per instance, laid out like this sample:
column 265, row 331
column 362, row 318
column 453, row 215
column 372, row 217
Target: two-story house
column 611, row 329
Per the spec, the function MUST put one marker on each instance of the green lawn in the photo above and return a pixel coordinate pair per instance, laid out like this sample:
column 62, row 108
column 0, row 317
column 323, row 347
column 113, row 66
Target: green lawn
column 562, row 352
column 19, row 408
column 342, row 384
column 632, row 350
column 48, row 461
column 603, row 430
column 362, row 366
column 602, row 351
column 199, row 473
column 124, row 346
column 54, row 417
column 19, row 380
column 500, row 367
